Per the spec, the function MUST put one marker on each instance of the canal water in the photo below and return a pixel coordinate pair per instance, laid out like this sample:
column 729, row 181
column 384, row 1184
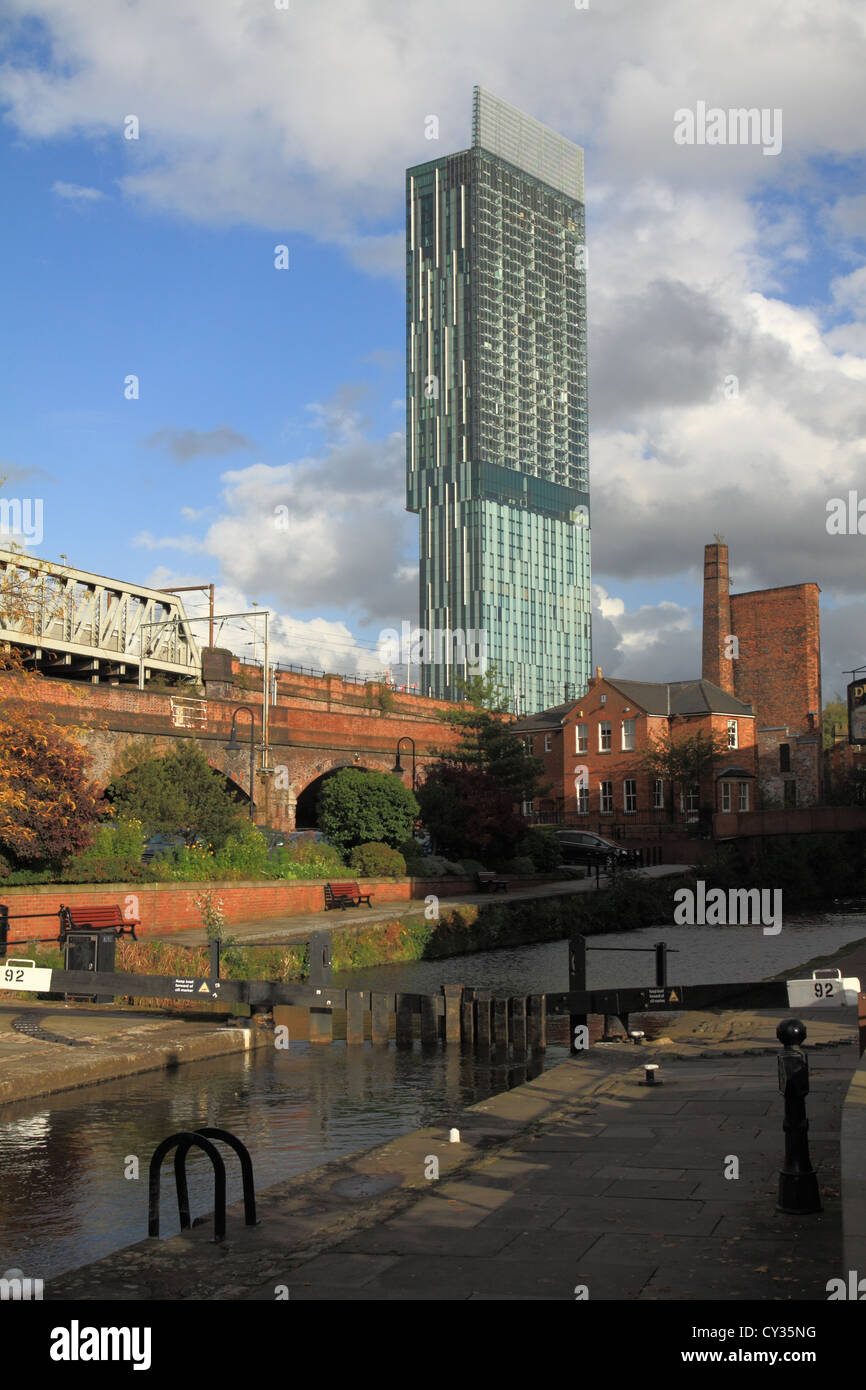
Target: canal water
column 706, row 955
column 65, row 1198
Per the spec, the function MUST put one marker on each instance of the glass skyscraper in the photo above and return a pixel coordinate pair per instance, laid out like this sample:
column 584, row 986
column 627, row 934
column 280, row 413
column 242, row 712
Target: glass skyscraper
column 497, row 458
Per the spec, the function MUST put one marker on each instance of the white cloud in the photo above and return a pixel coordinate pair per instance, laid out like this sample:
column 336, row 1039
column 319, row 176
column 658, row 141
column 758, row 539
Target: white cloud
column 720, row 400
column 76, row 192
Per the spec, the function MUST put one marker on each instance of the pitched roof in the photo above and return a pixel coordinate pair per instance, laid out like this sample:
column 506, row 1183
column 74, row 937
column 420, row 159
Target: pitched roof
column 545, row 719
column 680, row 697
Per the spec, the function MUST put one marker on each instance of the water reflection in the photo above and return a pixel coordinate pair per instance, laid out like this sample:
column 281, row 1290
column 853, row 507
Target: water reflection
column 65, row 1200
column 705, row 954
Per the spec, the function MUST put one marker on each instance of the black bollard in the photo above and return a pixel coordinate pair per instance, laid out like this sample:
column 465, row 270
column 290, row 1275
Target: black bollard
column 661, row 951
column 576, row 983
column 798, row 1181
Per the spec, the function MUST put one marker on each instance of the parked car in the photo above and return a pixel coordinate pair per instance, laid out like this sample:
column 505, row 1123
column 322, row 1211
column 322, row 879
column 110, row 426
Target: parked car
column 583, row 847
column 160, row 843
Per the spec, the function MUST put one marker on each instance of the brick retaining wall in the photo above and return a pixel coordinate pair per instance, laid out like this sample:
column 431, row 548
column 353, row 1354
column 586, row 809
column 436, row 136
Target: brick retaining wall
column 169, row 907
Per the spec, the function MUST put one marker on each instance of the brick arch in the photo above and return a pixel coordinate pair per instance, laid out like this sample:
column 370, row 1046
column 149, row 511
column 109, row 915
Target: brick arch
column 304, row 807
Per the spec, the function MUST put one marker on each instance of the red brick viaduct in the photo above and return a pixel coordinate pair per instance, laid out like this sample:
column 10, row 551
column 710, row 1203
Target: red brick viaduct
column 317, row 724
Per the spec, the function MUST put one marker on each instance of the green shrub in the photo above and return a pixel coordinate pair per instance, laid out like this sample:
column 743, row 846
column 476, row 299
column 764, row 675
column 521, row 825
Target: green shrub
column 542, row 846
column 441, row 868
column 522, row 866
column 472, row 866
column 376, row 860
column 358, row 808
column 244, row 854
column 114, row 854
column 307, row 861
column 420, row 868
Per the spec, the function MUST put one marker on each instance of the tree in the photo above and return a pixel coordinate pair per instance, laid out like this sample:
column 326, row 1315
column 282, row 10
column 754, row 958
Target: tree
column 178, row 793
column 469, row 814
column 488, row 741
column 356, row 808
column 48, row 805
column 834, row 716
column 683, row 761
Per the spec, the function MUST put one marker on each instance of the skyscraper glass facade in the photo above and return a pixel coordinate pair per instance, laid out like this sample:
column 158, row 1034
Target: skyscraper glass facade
column 497, row 458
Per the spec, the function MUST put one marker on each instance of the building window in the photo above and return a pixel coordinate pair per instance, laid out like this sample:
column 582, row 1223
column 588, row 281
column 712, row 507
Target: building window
column 692, row 802
column 605, row 798
column 784, row 757
column 603, row 699
column 628, row 735
column 581, row 744
column 629, row 795
column 547, row 745
column 658, row 795
column 604, row 736
column 732, row 734
column 790, row 793
column 583, row 801
column 726, row 796
column 744, row 796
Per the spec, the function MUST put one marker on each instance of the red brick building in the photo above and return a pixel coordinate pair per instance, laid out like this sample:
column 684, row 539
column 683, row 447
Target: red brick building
column 593, row 747
column 764, row 647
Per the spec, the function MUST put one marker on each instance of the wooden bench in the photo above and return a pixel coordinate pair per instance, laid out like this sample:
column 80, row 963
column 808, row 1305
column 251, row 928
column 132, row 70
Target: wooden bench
column 96, row 919
column 345, row 895
column 489, row 883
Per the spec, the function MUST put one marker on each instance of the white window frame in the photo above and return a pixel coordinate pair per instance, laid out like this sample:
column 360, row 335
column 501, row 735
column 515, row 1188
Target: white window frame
column 627, row 795
column 605, row 724
column 605, row 798
column 583, row 801
column 548, row 742
column 628, row 747
column 658, row 794
column 733, row 734
column 743, row 797
column 581, row 740
column 726, row 797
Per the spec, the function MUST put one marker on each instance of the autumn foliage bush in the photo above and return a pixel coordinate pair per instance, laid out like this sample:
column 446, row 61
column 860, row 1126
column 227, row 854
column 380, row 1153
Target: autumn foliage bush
column 48, row 805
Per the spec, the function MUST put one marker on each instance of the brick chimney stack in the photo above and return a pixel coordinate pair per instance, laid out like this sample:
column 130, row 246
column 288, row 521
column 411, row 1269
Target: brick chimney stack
column 715, row 666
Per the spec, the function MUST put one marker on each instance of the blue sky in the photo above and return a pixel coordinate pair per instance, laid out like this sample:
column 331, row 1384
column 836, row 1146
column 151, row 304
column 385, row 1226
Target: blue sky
column 262, row 388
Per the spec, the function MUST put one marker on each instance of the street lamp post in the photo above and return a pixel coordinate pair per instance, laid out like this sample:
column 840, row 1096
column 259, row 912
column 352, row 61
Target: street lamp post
column 234, row 747
column 397, row 768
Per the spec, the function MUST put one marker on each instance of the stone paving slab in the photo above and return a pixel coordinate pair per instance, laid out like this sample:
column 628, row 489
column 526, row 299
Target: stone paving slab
column 590, row 1179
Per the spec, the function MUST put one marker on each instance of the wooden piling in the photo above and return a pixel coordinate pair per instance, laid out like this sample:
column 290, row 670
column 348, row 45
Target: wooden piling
column 483, row 1019
column 405, row 1009
column 382, row 1006
column 536, row 1022
column 467, row 1018
column 295, row 1018
column 517, row 1022
column 453, row 995
column 500, row 1023
column 321, row 1025
column 355, row 1000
